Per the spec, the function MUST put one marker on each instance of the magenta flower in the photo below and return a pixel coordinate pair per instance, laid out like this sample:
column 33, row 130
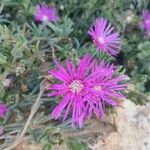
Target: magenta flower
column 3, row 110
column 145, row 21
column 84, row 89
column 105, row 89
column 45, row 13
column 104, row 36
column 73, row 87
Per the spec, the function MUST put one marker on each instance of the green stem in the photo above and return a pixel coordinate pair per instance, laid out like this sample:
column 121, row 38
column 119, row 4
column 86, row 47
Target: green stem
column 34, row 108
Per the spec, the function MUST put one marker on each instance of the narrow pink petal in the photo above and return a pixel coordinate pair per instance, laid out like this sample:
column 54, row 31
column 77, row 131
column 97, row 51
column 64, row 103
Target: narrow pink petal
column 58, row 109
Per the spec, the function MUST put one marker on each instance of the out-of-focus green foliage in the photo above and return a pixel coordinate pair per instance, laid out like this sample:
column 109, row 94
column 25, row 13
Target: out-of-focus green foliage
column 27, row 49
column 76, row 144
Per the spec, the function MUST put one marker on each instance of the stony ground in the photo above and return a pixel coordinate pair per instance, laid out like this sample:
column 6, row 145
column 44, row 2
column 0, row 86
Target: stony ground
column 128, row 130
column 133, row 129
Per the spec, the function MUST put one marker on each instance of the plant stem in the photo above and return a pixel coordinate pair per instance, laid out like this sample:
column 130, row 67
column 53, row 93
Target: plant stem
column 34, row 108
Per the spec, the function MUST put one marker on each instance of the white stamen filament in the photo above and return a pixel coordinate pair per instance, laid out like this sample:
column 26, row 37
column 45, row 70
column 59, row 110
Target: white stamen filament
column 76, row 86
column 147, row 21
column 44, row 18
column 97, row 88
column 101, row 40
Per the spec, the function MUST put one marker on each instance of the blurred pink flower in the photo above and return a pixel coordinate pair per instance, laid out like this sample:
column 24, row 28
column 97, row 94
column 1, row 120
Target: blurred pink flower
column 45, row 13
column 104, row 36
column 85, row 89
column 145, row 21
column 3, row 110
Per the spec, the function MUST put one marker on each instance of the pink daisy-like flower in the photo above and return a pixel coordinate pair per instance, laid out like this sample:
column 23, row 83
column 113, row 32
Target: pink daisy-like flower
column 145, row 21
column 104, row 36
column 45, row 13
column 84, row 89
column 105, row 89
column 3, row 110
column 74, row 87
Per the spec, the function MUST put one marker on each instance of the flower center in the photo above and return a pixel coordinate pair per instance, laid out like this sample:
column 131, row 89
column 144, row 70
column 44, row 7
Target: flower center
column 76, row 86
column 44, row 18
column 101, row 40
column 147, row 22
column 97, row 88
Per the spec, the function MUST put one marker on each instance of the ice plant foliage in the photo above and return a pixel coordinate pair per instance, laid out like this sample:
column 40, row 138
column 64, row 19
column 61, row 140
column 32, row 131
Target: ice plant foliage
column 145, row 22
column 3, row 110
column 104, row 36
column 45, row 13
column 86, row 89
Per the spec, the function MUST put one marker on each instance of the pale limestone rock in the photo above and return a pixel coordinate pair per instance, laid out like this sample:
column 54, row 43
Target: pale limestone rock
column 133, row 126
column 129, row 129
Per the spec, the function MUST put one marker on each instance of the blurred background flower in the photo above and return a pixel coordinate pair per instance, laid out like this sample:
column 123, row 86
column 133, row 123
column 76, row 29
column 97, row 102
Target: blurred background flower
column 104, row 36
column 145, row 21
column 46, row 13
column 3, row 110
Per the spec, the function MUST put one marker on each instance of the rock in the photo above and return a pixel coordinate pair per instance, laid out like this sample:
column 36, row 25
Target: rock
column 128, row 129
column 133, row 129
column 27, row 145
